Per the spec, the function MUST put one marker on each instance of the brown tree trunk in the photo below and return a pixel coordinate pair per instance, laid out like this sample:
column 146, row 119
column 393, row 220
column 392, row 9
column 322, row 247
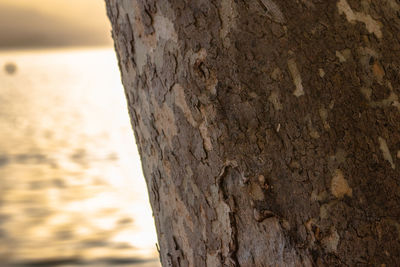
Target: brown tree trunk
column 268, row 130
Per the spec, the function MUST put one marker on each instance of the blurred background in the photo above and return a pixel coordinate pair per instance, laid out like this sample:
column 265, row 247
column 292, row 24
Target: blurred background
column 71, row 186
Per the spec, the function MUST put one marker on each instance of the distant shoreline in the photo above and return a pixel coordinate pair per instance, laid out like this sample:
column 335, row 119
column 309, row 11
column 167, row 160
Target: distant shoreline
column 47, row 49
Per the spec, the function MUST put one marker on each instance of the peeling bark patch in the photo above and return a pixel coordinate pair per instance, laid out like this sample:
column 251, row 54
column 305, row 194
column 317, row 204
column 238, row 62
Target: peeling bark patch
column 372, row 25
column 273, row 11
column 386, row 152
column 339, row 185
column 294, row 71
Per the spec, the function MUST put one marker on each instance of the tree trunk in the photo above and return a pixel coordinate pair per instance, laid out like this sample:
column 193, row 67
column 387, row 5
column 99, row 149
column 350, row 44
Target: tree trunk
column 268, row 130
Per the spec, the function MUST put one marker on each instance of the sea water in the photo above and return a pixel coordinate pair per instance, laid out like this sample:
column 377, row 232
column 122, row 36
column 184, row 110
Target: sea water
column 71, row 186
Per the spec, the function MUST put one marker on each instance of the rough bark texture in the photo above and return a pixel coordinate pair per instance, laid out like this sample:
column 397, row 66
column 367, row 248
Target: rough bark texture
column 268, row 130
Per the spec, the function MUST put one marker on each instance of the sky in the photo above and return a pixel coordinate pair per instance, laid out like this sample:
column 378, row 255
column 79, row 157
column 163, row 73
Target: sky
column 53, row 23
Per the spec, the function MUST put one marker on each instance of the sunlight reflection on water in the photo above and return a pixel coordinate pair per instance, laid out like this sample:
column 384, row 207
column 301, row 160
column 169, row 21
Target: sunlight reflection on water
column 71, row 185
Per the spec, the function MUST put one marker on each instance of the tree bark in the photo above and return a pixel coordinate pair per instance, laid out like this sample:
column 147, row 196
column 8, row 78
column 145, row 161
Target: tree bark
column 268, row 130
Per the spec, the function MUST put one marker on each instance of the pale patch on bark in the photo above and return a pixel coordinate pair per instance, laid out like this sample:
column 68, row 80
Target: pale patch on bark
column 143, row 44
column 372, row 25
column 222, row 225
column 164, row 28
column 208, row 113
column 312, row 131
column 213, row 259
column 321, row 72
column 274, row 99
column 273, row 11
column 340, row 156
column 343, row 55
column 324, row 210
column 276, row 74
column 386, row 152
column 180, row 101
column 340, row 57
column 141, row 50
column 211, row 83
column 227, row 14
column 144, row 132
column 165, row 120
column 178, row 207
column 393, row 5
column 145, row 113
column 181, row 218
column 331, row 242
column 146, row 44
column 323, row 113
column 206, row 136
column 391, row 100
column 256, row 192
column 294, row 71
column 278, row 128
column 378, row 71
column 200, row 55
column 367, row 93
column 398, row 154
column 318, row 196
column 308, row 3
column 339, row 185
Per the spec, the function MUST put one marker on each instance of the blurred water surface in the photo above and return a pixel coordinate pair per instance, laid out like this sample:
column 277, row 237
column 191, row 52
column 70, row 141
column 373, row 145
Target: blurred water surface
column 71, row 186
